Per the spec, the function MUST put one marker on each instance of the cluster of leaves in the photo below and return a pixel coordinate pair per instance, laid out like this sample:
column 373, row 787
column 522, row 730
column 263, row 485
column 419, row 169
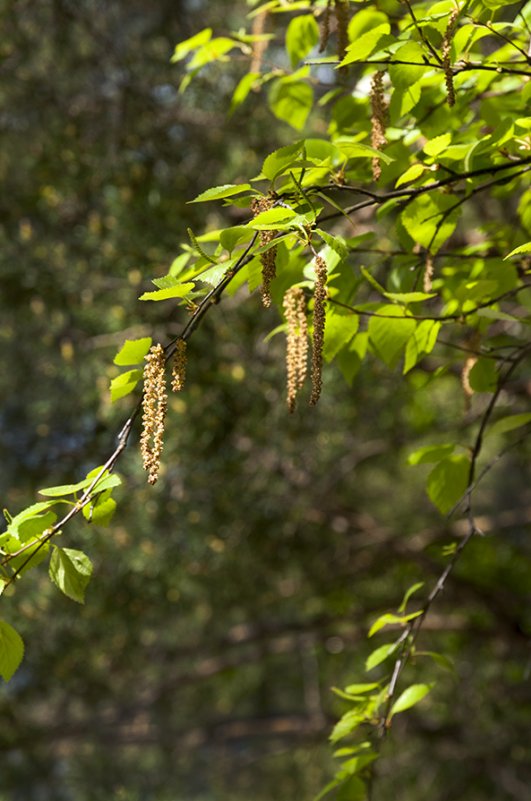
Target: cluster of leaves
column 432, row 284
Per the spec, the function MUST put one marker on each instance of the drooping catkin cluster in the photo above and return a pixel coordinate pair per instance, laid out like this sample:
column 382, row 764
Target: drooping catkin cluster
column 428, row 273
column 378, row 117
column 341, row 14
column 260, row 46
column 446, row 51
column 297, row 342
column 178, row 370
column 319, row 321
column 324, row 33
column 154, row 404
column 268, row 258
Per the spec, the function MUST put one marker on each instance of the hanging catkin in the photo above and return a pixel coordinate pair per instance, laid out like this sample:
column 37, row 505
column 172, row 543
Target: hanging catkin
column 319, row 320
column 428, row 273
column 379, row 111
column 341, row 14
column 259, row 46
column 297, row 342
column 324, row 33
column 178, row 371
column 154, row 404
column 268, row 258
column 446, row 52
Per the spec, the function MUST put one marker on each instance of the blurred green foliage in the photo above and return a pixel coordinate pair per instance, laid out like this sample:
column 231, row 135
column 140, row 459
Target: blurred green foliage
column 227, row 601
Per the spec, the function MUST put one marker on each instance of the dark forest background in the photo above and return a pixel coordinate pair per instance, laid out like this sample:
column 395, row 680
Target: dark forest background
column 228, row 600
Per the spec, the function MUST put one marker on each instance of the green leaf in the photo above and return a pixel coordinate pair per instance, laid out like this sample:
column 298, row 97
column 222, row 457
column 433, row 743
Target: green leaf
column 448, row 481
column 133, row 351
column 411, row 174
column 365, row 20
column 301, row 36
column 440, row 659
column 124, row 384
column 389, row 336
column 390, row 619
column 483, row 376
column 409, row 297
column 22, row 528
column 339, row 331
column 429, row 221
column 357, row 150
column 183, row 48
column 101, row 512
column 213, row 50
column 35, row 526
column 272, row 219
column 413, row 589
column 106, row 481
column 291, row 101
column 337, row 243
column 509, row 423
column 380, row 655
column 366, row 44
column 346, row 725
column 403, row 76
column 421, row 343
column 430, row 453
column 11, row 650
column 526, row 248
column 402, row 101
column 70, row 570
column 230, row 237
column 360, row 689
column 410, row 697
column 177, row 291
column 438, row 145
column 280, row 160
column 220, row 192
column 242, row 90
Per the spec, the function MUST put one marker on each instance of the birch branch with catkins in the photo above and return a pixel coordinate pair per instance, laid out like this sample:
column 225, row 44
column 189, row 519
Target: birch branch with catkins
column 446, row 52
column 297, row 342
column 178, row 371
column 319, row 322
column 378, row 117
column 154, row 405
column 268, row 258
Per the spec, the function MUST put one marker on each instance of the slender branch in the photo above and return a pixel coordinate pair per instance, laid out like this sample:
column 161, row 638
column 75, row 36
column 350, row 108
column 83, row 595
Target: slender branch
column 463, row 66
column 443, row 318
column 421, row 32
column 411, row 632
column 413, row 192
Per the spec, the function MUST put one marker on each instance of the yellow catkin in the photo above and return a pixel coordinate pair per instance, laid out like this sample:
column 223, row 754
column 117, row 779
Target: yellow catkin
column 446, row 52
column 428, row 273
column 259, row 47
column 319, row 320
column 470, row 361
column 379, row 111
column 341, row 14
column 297, row 342
column 178, row 370
column 268, row 258
column 325, row 27
column 154, row 404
